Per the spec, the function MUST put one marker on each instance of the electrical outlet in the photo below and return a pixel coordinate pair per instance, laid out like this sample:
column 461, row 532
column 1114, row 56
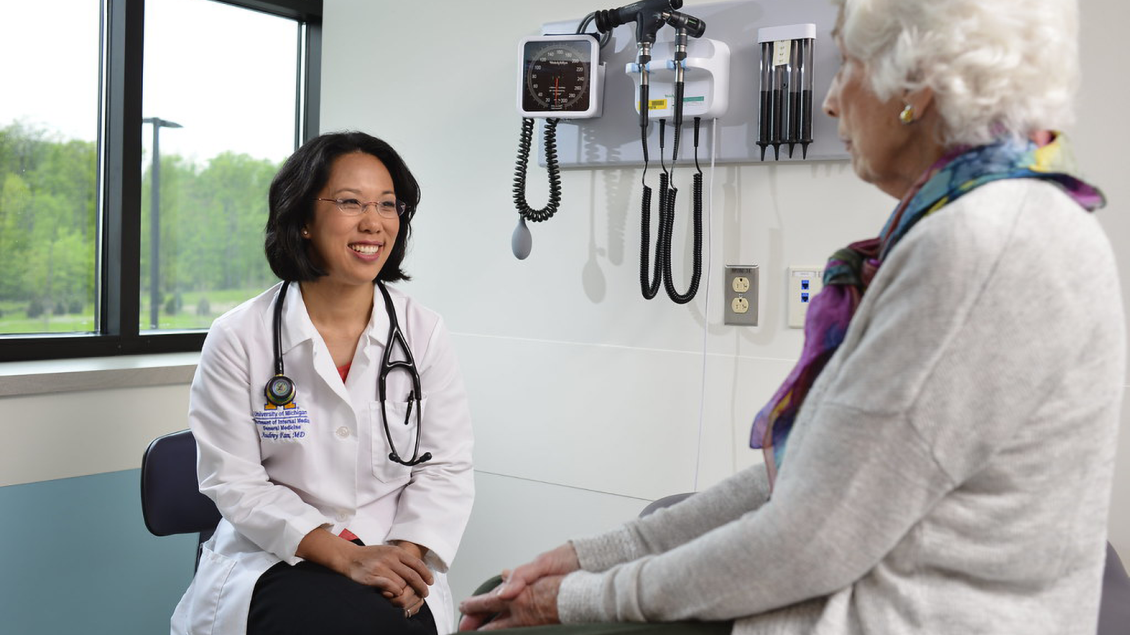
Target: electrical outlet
column 741, row 295
column 804, row 284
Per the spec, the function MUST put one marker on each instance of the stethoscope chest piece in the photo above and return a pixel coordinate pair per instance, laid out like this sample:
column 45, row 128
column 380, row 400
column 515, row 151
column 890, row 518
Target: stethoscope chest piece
column 280, row 390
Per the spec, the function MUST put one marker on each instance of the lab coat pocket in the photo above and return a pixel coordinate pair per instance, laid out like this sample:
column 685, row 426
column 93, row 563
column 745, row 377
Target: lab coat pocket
column 211, row 578
column 402, row 430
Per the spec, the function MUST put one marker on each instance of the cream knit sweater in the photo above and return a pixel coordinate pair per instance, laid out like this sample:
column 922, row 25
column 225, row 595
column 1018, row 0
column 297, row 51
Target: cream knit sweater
column 950, row 471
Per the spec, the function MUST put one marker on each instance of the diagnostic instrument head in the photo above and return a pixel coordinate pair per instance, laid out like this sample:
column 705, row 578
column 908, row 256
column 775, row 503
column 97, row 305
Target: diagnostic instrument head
column 649, row 16
column 683, row 22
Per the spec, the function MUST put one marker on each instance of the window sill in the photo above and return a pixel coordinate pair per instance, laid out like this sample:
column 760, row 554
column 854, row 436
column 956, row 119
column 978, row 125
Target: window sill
column 96, row 373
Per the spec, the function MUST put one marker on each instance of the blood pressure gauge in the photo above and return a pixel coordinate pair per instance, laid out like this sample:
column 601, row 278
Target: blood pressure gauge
column 560, row 77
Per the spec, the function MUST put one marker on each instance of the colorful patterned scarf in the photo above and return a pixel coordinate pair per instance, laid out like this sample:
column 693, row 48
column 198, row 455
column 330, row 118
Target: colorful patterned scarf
column 850, row 270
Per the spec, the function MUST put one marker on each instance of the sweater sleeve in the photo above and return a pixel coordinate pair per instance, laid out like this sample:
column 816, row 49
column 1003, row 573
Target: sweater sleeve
column 918, row 397
column 818, row 533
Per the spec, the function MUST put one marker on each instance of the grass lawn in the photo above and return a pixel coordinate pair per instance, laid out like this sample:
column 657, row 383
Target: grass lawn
column 14, row 319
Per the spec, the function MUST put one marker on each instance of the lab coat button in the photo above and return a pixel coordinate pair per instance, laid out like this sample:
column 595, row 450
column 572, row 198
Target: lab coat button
column 343, row 432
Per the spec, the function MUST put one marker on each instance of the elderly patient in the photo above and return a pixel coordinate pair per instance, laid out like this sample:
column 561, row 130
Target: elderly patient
column 940, row 461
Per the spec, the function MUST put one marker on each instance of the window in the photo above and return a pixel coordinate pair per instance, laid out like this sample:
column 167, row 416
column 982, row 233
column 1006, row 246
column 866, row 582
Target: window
column 48, row 170
column 132, row 206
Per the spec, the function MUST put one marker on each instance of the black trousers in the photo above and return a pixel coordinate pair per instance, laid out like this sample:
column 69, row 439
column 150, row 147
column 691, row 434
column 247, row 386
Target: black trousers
column 309, row 599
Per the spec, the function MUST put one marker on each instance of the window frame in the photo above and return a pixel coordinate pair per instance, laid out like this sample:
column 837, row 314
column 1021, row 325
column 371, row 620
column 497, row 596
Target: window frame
column 119, row 178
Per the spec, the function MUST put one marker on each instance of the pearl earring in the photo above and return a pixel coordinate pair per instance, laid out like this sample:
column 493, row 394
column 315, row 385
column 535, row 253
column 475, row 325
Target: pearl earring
column 907, row 115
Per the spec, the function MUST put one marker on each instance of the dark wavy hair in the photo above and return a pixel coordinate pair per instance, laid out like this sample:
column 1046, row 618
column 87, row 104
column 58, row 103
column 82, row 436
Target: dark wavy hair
column 291, row 203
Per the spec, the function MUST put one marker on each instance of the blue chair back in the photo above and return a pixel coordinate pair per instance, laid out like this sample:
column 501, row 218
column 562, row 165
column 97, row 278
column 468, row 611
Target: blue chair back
column 171, row 502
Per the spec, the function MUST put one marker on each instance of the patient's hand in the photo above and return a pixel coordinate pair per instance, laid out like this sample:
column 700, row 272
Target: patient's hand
column 535, row 605
column 560, row 561
column 527, row 595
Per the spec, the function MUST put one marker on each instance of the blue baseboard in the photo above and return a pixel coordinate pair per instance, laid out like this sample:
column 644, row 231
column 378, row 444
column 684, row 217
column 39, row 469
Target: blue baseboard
column 75, row 557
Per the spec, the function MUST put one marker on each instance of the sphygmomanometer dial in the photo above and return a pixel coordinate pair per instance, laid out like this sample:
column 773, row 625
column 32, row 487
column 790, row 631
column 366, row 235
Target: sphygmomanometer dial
column 557, row 75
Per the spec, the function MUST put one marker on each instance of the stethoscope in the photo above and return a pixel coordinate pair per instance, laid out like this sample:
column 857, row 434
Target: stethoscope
column 280, row 389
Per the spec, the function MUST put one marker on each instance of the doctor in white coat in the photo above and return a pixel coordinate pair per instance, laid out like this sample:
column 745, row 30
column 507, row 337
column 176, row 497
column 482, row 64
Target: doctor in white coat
column 323, row 531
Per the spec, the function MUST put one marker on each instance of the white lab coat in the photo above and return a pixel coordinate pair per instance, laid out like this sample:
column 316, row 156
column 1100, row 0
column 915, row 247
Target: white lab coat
column 275, row 477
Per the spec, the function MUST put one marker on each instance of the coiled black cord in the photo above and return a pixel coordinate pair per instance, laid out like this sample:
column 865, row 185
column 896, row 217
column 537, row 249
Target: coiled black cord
column 666, row 226
column 525, row 142
column 649, row 286
column 696, row 203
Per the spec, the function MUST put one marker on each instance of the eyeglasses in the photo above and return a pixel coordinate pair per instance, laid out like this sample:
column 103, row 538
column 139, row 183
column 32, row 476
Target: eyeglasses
column 389, row 208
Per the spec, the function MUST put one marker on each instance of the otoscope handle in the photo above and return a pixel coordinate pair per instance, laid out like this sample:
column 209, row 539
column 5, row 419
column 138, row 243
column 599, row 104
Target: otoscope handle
column 645, row 102
column 643, row 57
column 680, row 46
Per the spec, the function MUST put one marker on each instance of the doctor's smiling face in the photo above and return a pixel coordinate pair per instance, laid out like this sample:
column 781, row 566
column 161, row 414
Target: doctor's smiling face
column 352, row 247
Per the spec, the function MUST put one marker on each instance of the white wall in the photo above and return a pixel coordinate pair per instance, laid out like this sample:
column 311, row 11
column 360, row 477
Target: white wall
column 586, row 397
column 1101, row 135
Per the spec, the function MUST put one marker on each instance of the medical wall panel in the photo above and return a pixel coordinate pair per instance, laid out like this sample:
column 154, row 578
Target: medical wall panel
column 614, row 138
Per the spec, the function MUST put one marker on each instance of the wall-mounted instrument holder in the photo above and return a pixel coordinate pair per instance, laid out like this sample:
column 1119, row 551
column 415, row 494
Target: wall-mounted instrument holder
column 613, row 139
column 707, row 80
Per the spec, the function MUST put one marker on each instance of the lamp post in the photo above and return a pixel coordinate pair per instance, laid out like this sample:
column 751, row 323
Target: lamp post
column 154, row 208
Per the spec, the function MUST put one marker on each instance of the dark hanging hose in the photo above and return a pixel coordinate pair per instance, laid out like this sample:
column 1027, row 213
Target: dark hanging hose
column 696, row 272
column 662, row 269
column 649, row 286
column 525, row 142
column 665, row 231
column 696, row 275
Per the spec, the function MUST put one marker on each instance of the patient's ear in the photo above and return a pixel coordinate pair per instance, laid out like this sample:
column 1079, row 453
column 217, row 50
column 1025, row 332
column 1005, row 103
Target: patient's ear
column 921, row 100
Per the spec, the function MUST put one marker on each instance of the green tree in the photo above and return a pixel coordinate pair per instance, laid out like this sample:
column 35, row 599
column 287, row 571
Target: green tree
column 211, row 222
column 48, row 216
column 15, row 206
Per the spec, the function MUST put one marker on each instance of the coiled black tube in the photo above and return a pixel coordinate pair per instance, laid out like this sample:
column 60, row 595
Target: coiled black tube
column 696, row 273
column 666, row 229
column 525, row 141
column 649, row 286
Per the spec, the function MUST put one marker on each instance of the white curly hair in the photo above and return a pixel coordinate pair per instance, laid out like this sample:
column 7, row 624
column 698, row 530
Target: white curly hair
column 997, row 67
